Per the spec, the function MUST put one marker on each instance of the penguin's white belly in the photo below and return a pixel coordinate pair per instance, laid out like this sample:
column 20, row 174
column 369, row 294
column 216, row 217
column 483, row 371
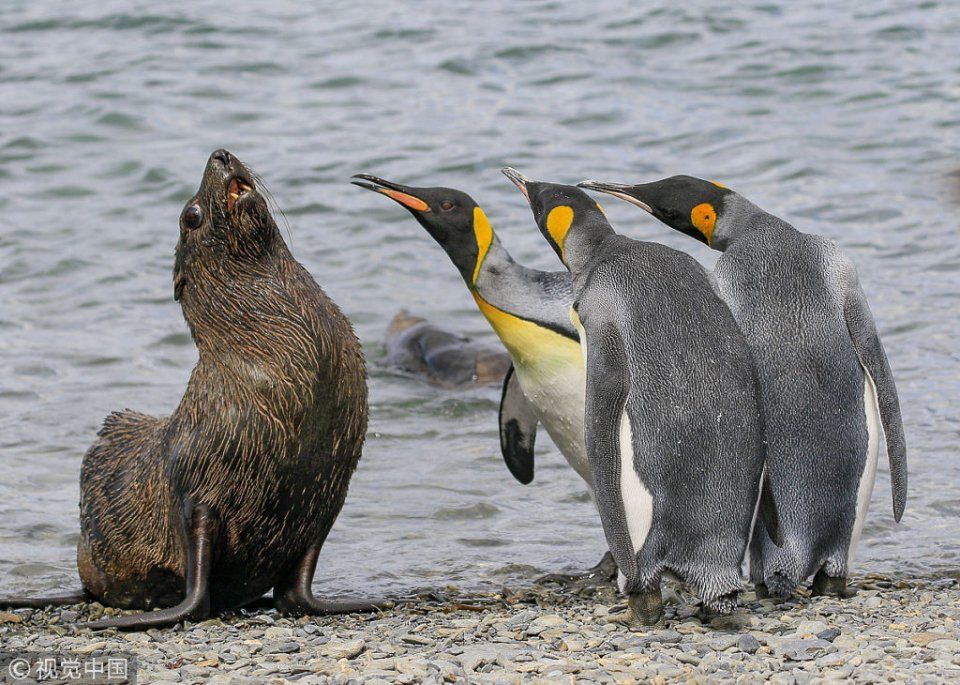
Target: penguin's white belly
column 871, row 410
column 557, row 392
column 637, row 500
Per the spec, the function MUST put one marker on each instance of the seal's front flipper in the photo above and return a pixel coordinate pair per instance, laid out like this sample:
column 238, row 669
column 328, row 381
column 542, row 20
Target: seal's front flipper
column 768, row 512
column 873, row 358
column 604, row 573
column 79, row 597
column 295, row 594
column 518, row 428
column 196, row 605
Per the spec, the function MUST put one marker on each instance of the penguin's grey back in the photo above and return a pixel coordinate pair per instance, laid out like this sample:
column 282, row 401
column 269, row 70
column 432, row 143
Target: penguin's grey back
column 786, row 290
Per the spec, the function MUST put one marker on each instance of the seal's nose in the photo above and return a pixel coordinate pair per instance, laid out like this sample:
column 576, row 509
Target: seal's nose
column 222, row 156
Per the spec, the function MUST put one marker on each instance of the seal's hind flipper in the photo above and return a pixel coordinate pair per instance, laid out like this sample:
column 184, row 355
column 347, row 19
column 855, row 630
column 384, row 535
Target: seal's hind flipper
column 518, row 428
column 196, row 605
column 67, row 599
column 295, row 594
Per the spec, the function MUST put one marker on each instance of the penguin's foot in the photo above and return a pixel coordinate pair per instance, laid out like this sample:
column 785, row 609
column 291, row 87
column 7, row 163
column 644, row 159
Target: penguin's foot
column 830, row 585
column 79, row 597
column 604, row 573
column 644, row 609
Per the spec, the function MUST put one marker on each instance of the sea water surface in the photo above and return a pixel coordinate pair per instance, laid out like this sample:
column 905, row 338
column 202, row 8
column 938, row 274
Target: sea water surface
column 841, row 119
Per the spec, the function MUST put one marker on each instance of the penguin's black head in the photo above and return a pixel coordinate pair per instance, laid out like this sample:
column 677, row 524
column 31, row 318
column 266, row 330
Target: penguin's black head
column 451, row 216
column 689, row 205
column 556, row 208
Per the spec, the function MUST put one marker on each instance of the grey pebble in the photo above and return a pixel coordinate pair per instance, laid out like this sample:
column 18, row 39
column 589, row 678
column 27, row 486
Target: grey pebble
column 803, row 650
column 281, row 648
column 748, row 644
column 830, row 634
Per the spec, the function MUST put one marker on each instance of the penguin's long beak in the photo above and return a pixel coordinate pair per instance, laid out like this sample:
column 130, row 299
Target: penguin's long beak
column 623, row 191
column 518, row 179
column 400, row 193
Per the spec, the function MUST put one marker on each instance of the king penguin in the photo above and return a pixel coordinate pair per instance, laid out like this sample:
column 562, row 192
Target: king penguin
column 825, row 381
column 672, row 415
column 529, row 310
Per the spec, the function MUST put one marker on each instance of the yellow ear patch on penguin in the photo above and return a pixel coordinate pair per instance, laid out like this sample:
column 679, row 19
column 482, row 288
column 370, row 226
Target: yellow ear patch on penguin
column 406, row 199
column 600, row 207
column 704, row 219
column 559, row 221
column 719, row 185
column 484, row 234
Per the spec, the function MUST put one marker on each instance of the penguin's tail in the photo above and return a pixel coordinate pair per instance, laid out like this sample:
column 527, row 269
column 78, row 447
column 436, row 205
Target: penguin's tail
column 719, row 589
column 779, row 585
column 723, row 604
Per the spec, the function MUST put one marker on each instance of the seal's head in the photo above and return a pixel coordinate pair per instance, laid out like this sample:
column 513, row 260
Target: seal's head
column 224, row 228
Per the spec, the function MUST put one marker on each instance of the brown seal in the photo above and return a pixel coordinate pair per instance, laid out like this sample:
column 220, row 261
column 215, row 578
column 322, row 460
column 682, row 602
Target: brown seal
column 445, row 358
column 235, row 492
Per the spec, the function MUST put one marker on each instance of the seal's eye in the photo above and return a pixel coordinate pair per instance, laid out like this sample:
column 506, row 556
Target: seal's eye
column 446, row 205
column 193, row 217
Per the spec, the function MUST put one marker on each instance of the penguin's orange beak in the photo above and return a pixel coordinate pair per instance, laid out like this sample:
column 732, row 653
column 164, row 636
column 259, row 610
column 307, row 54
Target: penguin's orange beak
column 394, row 191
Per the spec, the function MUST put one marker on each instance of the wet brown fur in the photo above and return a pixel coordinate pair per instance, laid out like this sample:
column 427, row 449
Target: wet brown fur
column 266, row 436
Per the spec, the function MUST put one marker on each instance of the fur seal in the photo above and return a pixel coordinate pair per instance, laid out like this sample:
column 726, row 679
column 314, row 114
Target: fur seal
column 445, row 358
column 234, row 493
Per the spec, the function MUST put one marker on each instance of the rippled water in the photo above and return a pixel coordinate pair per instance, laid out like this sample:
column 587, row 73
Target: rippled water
column 844, row 122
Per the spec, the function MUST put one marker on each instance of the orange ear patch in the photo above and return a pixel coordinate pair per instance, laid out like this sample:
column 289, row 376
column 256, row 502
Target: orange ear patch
column 559, row 221
column 704, row 219
column 406, row 200
column 484, row 234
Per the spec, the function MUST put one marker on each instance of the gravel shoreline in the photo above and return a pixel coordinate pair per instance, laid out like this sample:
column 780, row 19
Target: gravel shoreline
column 894, row 630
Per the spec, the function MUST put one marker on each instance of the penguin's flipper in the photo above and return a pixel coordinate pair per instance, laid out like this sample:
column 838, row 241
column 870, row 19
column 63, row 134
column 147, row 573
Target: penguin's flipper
column 518, row 428
column 608, row 386
column 873, row 358
column 769, row 513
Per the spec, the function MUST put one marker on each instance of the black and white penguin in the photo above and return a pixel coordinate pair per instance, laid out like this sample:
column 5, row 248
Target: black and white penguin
column 825, row 381
column 672, row 423
column 529, row 310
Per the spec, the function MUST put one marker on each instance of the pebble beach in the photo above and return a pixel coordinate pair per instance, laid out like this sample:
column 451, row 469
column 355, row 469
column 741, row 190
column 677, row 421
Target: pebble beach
column 895, row 630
